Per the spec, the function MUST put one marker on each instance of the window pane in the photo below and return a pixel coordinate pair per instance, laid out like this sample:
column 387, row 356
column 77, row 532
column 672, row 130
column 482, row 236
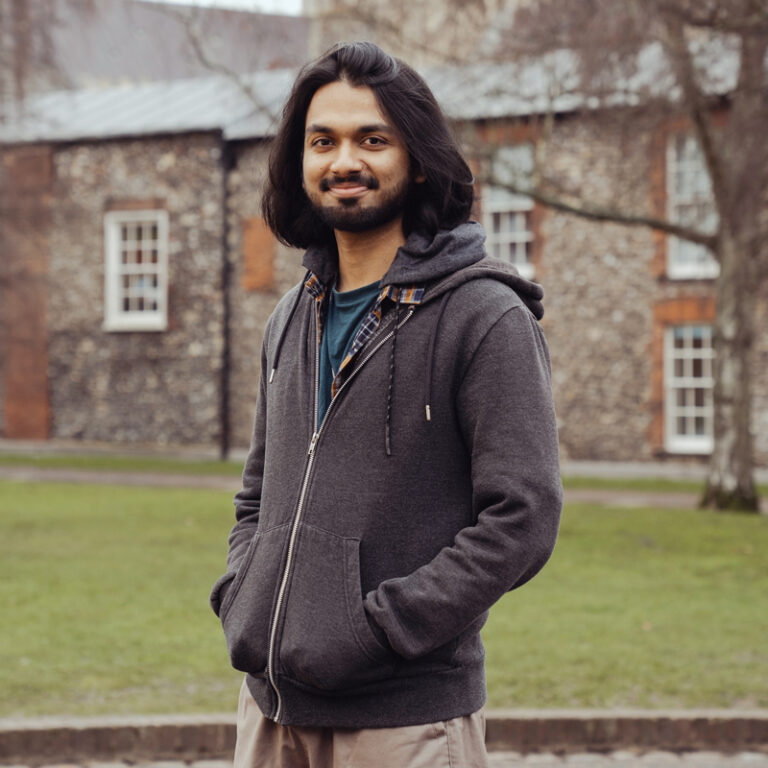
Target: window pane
column 688, row 355
column 698, row 370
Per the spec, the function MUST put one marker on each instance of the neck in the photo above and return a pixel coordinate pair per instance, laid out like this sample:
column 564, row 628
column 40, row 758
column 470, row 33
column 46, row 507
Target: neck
column 365, row 257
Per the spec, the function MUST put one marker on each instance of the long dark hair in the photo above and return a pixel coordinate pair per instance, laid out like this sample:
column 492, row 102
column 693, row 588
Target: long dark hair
column 442, row 201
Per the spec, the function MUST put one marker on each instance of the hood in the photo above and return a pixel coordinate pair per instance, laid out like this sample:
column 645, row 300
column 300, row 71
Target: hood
column 423, row 260
column 443, row 262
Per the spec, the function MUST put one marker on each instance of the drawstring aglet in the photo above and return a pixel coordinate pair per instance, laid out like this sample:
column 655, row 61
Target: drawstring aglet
column 271, row 375
column 429, row 412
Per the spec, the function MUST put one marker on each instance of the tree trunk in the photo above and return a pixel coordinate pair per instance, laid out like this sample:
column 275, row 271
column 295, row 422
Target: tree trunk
column 730, row 483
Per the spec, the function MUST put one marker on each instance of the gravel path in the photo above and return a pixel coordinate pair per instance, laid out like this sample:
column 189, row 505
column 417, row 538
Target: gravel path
column 618, row 497
column 514, row 760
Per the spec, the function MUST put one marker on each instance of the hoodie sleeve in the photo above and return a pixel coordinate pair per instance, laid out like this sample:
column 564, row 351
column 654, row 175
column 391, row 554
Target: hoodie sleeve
column 505, row 409
column 248, row 498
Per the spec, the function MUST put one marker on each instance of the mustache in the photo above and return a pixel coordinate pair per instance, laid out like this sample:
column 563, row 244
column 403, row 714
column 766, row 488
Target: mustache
column 351, row 178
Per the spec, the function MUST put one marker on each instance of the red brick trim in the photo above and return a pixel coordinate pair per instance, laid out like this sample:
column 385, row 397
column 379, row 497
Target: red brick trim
column 29, row 169
column 26, row 181
column 258, row 256
column 141, row 204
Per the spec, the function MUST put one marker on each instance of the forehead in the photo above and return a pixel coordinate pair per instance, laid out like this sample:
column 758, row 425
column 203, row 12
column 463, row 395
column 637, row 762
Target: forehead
column 340, row 105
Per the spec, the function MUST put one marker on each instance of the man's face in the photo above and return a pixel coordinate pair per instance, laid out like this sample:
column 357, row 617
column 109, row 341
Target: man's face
column 355, row 166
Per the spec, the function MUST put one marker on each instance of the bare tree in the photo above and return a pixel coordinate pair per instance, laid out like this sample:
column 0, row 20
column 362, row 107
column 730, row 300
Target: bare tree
column 191, row 19
column 710, row 71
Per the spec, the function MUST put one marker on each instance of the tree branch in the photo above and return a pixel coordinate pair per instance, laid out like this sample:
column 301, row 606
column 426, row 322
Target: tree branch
column 597, row 213
column 194, row 38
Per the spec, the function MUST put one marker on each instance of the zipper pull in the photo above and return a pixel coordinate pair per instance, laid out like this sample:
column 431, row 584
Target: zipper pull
column 312, row 443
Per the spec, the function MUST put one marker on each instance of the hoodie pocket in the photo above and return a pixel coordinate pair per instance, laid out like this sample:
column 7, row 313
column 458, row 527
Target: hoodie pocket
column 327, row 642
column 247, row 608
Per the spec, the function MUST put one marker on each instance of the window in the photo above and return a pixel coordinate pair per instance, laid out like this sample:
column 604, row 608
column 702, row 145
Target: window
column 689, row 202
column 136, row 270
column 507, row 220
column 688, row 386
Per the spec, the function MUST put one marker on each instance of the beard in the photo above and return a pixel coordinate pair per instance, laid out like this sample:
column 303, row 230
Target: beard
column 351, row 216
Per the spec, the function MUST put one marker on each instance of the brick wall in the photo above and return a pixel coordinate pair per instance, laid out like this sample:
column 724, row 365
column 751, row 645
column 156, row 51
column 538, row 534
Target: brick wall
column 26, row 179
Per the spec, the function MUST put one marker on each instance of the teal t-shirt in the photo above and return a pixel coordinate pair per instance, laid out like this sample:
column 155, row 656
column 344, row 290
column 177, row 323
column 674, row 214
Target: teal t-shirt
column 346, row 312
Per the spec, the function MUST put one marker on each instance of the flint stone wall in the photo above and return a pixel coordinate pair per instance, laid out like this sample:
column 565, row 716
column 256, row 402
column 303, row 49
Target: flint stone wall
column 251, row 308
column 601, row 285
column 157, row 387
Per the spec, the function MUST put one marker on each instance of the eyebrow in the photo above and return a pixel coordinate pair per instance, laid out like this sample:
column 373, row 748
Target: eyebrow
column 372, row 128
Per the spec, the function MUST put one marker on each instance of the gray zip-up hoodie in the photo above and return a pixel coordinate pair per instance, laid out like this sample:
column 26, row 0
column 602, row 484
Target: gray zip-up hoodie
column 361, row 570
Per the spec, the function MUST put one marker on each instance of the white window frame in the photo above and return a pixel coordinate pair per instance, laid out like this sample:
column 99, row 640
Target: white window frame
column 687, row 383
column 686, row 260
column 499, row 200
column 116, row 318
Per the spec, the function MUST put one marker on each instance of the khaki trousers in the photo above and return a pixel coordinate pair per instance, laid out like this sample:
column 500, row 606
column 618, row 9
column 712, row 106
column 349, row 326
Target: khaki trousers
column 261, row 743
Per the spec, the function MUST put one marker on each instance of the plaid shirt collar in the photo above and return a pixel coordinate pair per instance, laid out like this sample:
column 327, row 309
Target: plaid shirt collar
column 412, row 295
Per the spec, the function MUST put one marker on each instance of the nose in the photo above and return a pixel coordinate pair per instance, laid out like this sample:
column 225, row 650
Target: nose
column 346, row 159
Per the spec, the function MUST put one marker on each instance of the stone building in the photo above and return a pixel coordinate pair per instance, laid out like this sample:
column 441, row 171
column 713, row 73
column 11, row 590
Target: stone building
column 139, row 275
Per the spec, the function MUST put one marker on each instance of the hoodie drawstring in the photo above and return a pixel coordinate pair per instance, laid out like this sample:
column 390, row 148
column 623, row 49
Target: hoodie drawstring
column 428, row 373
column 283, row 333
column 430, row 356
column 387, row 435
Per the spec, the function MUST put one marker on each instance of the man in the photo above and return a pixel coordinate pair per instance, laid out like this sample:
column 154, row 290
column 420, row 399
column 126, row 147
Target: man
column 403, row 473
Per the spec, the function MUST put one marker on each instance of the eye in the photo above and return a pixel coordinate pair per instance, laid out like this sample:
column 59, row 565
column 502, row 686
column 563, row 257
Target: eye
column 321, row 141
column 374, row 141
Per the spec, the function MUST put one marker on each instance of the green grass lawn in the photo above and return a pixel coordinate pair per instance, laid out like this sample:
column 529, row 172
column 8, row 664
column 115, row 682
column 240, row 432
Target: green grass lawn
column 103, row 594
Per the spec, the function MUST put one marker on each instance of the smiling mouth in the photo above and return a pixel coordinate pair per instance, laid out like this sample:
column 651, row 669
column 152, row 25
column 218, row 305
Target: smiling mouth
column 348, row 187
column 348, row 190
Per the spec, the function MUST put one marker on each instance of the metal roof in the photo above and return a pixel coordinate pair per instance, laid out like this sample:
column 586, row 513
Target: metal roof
column 249, row 108
column 176, row 106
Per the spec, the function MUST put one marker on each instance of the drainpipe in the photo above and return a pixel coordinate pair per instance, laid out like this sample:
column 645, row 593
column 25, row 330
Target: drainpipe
column 228, row 161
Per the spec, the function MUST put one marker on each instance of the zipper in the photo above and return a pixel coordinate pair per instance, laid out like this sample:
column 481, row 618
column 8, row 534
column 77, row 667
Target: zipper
column 300, row 506
column 352, row 375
